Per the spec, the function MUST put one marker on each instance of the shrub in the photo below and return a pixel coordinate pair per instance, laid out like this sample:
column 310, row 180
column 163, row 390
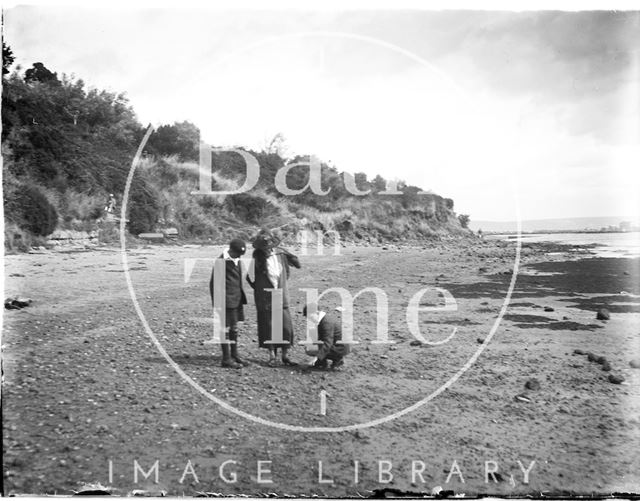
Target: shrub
column 252, row 209
column 30, row 210
column 81, row 206
column 19, row 240
column 143, row 208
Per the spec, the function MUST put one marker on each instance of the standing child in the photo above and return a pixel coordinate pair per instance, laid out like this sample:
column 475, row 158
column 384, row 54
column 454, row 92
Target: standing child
column 235, row 299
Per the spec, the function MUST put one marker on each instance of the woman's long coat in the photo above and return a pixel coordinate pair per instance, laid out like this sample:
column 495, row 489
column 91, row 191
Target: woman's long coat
column 263, row 298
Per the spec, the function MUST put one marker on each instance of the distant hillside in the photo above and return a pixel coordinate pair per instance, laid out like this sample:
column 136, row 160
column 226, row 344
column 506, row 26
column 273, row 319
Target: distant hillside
column 66, row 148
column 567, row 224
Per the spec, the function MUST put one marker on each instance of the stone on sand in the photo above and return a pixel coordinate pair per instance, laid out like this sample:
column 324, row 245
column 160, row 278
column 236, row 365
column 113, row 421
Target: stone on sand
column 16, row 303
column 603, row 314
column 615, row 378
column 532, row 384
column 606, row 366
column 635, row 363
column 579, row 352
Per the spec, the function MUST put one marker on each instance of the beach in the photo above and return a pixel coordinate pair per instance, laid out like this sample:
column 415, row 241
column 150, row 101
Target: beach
column 89, row 398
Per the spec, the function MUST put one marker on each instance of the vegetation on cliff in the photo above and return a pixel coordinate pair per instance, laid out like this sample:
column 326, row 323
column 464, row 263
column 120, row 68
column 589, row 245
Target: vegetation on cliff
column 66, row 147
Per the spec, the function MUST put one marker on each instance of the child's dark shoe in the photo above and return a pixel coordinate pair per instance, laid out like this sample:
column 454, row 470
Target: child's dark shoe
column 320, row 364
column 231, row 364
column 337, row 365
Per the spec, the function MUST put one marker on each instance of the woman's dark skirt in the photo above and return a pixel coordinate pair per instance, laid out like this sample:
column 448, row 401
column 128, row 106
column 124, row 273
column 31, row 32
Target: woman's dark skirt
column 264, row 329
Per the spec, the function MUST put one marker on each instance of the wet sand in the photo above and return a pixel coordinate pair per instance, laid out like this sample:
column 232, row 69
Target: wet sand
column 85, row 385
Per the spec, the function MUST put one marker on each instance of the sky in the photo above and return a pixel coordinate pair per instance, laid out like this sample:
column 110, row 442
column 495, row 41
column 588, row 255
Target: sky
column 532, row 114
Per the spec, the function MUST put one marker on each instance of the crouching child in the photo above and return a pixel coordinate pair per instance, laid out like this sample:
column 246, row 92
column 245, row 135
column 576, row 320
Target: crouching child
column 329, row 346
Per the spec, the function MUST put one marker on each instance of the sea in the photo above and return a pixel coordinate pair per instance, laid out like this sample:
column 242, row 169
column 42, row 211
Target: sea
column 623, row 244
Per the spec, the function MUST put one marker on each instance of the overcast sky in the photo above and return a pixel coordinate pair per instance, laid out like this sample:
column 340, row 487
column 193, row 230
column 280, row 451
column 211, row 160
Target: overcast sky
column 487, row 108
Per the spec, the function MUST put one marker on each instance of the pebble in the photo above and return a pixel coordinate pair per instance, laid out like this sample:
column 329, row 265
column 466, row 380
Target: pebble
column 592, row 357
column 548, row 308
column 603, row 314
column 635, row 363
column 615, row 378
column 579, row 352
column 606, row 366
column 480, row 340
column 532, row 384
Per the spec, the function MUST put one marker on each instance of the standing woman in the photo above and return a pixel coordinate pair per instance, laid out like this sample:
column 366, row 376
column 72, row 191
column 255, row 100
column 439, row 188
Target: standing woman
column 271, row 267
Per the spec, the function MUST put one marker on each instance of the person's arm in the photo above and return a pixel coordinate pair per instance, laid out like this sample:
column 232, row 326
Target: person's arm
column 292, row 259
column 251, row 270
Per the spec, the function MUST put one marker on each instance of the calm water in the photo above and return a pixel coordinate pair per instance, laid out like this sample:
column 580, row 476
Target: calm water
column 607, row 244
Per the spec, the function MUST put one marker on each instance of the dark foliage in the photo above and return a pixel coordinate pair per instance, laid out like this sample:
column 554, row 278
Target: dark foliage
column 60, row 138
column 30, row 210
column 7, row 58
column 181, row 139
column 143, row 208
column 249, row 208
column 40, row 73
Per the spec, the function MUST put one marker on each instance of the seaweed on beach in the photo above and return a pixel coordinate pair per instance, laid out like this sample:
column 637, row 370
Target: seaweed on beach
column 573, row 279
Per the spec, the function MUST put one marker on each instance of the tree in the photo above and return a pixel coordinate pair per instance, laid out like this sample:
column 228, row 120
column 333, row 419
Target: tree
column 464, row 220
column 181, row 139
column 7, row 58
column 26, row 206
column 143, row 208
column 379, row 183
column 410, row 198
column 40, row 73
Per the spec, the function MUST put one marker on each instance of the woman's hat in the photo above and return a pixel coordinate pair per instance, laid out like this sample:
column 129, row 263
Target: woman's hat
column 265, row 240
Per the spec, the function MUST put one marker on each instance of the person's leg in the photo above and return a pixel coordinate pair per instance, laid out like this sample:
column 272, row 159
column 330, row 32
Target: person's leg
column 234, row 316
column 337, row 358
column 273, row 354
column 233, row 336
column 337, row 363
column 285, row 356
column 232, row 324
column 287, row 336
column 227, row 361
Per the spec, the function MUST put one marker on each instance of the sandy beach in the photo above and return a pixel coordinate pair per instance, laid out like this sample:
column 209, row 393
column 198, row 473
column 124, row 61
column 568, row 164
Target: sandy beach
column 87, row 395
